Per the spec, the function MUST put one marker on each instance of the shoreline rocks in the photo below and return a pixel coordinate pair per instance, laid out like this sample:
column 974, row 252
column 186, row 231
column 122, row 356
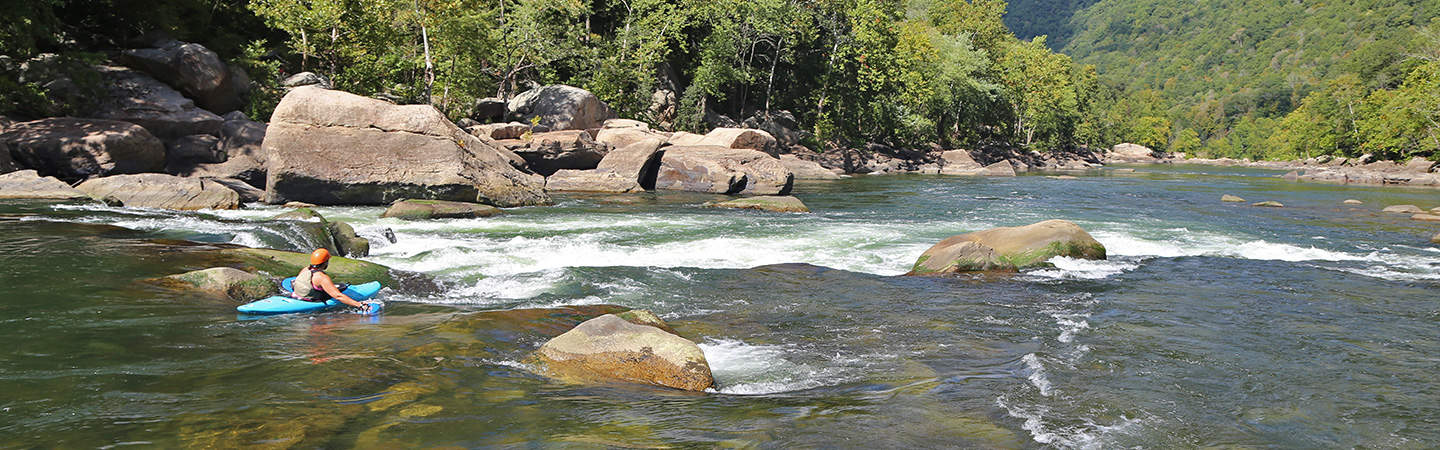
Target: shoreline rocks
column 1418, row 172
column 1268, row 204
column 722, row 170
column 70, row 148
column 157, row 190
column 1008, row 249
column 610, row 348
column 27, row 184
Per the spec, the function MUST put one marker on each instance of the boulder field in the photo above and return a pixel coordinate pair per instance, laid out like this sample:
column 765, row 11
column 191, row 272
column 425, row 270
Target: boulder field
column 1008, row 249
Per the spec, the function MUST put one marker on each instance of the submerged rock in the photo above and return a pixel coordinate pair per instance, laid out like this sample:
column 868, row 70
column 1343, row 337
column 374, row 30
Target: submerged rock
column 154, row 190
column 1403, row 209
column 787, row 203
column 1268, row 204
column 610, row 348
column 1231, row 199
column 413, row 209
column 233, row 283
column 1426, row 217
column 26, row 184
column 1009, row 248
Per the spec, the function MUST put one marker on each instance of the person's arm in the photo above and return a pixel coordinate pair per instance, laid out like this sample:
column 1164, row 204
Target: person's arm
column 329, row 287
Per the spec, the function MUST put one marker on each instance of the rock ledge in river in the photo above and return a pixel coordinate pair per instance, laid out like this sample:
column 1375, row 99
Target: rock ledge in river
column 415, row 209
column 610, row 348
column 1009, row 248
column 155, row 190
column 1269, row 204
column 26, row 184
column 1231, row 199
column 233, row 283
column 788, row 204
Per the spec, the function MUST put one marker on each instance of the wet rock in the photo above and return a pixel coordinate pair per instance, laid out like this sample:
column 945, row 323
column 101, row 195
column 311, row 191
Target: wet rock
column 236, row 284
column 609, row 348
column 807, row 170
column 286, row 264
column 1009, row 248
column 306, row 79
column 1403, row 209
column 788, row 204
column 1435, row 239
column 27, row 184
column 723, row 170
column 334, row 148
column 154, row 190
column 591, row 181
column 303, row 213
column 135, row 97
column 297, row 205
column 1269, row 204
column 1352, row 202
column 390, row 235
column 639, row 161
column 1231, row 199
column 77, row 148
column 558, row 150
column 192, row 69
column 417, row 209
column 347, row 242
column 561, row 107
column 1426, row 217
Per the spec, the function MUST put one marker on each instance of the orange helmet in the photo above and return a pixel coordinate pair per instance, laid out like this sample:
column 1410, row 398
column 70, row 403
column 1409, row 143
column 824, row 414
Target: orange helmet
column 320, row 256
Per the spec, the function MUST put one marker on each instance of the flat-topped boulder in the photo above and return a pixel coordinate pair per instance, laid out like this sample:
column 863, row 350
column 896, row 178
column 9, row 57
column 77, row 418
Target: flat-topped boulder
column 156, row 190
column 745, row 138
column 807, row 170
column 561, row 107
column 611, row 349
column 1130, row 153
column 27, row 184
column 626, row 136
column 591, row 181
column 559, row 150
column 420, row 209
column 72, row 149
column 1231, row 199
column 787, row 203
column 723, row 170
column 1009, row 248
column 1268, row 204
column 335, row 148
column 1403, row 209
column 1426, row 217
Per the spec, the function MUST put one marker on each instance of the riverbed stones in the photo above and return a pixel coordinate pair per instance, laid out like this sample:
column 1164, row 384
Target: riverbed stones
column 560, row 107
column 72, row 149
column 420, row 209
column 1403, row 209
column 335, row 148
column 1352, row 202
column 234, row 283
column 155, row 190
column 591, row 181
column 1268, row 204
column 27, row 184
column 1426, row 217
column 1009, row 248
column 807, row 170
column 609, row 348
column 722, row 170
column 1231, row 199
column 786, row 204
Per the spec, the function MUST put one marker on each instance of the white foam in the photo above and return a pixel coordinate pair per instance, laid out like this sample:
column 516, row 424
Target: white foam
column 1037, row 373
column 1087, row 436
column 1072, row 268
column 747, row 369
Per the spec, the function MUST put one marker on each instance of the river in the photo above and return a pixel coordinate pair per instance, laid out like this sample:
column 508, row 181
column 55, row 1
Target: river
column 1212, row 324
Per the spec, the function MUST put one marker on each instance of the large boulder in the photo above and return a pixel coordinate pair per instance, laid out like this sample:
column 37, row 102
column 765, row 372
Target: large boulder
column 417, row 209
column 807, row 170
column 557, row 150
column 999, row 169
column 621, row 137
column 742, row 138
column 194, row 70
column 639, row 161
column 959, row 162
column 723, row 170
column 7, row 163
column 561, row 107
column 228, row 282
column 156, row 190
column 331, row 147
column 609, row 348
column 28, row 184
column 77, row 148
column 347, row 242
column 1131, row 153
column 770, row 203
column 591, row 181
column 244, row 159
column 1009, row 248
column 137, row 98
column 501, row 131
column 488, row 109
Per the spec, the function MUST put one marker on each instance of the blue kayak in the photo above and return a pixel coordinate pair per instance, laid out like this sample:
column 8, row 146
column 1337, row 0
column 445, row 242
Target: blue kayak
column 282, row 304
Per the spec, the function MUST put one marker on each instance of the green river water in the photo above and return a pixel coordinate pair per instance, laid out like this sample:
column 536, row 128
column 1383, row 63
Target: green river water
column 1212, row 324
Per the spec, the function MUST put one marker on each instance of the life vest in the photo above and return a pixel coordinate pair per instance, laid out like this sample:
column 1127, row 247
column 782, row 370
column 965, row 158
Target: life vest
column 304, row 288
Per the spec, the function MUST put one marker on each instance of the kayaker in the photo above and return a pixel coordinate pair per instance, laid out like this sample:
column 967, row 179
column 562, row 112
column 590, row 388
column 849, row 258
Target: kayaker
column 314, row 285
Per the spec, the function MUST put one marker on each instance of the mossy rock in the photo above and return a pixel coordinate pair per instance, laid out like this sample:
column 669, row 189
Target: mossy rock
column 224, row 281
column 301, row 214
column 1009, row 249
column 287, row 264
column 415, row 209
column 347, row 242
